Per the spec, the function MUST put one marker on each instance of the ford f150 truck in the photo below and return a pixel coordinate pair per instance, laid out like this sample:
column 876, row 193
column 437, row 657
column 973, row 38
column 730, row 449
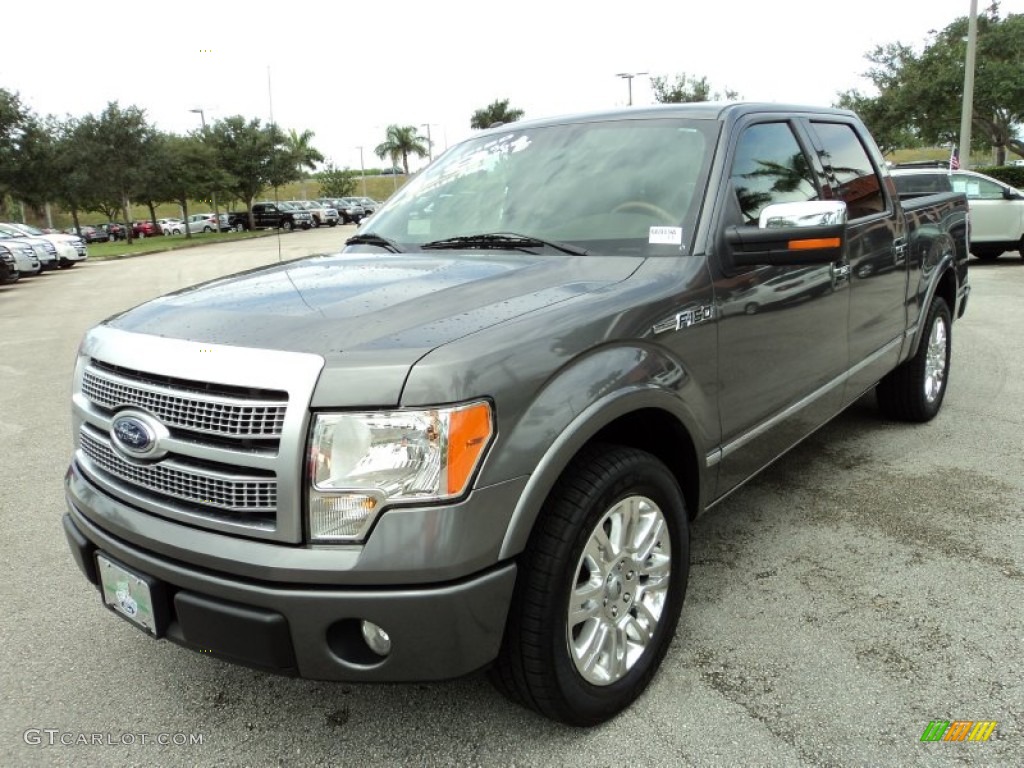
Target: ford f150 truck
column 477, row 437
column 270, row 216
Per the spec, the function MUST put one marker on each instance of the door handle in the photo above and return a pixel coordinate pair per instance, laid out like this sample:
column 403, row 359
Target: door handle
column 840, row 271
column 899, row 251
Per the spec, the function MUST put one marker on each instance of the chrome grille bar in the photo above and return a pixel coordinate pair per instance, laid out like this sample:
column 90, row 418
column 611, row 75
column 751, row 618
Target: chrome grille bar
column 198, row 485
column 195, row 411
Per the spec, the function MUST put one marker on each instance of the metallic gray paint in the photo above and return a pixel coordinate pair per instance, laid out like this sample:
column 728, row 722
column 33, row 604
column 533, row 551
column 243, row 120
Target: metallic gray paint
column 413, row 545
column 437, row 632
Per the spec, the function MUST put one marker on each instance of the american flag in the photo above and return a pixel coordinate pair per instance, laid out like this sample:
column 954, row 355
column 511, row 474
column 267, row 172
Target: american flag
column 954, row 159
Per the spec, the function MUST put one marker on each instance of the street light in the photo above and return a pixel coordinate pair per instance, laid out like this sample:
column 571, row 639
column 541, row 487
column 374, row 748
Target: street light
column 967, row 108
column 628, row 76
column 362, row 169
column 216, row 212
column 430, row 144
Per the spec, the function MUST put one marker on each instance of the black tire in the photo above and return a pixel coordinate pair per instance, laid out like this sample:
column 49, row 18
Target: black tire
column 914, row 391
column 239, row 226
column 287, row 225
column 986, row 254
column 751, row 308
column 538, row 665
column 333, row 223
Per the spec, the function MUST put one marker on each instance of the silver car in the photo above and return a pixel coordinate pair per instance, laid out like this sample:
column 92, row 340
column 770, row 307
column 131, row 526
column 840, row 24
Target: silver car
column 71, row 249
column 44, row 250
column 24, row 256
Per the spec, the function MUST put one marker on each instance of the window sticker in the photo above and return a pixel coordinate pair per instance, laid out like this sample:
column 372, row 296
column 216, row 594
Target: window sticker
column 665, row 236
column 418, row 227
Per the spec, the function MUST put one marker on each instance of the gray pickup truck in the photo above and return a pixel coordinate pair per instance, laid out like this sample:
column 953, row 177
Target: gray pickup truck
column 476, row 438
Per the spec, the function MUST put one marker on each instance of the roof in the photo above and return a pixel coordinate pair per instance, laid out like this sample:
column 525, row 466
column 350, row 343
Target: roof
column 703, row 110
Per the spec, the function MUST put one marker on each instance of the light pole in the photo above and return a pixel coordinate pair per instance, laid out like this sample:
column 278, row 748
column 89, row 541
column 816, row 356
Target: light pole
column 430, row 144
column 216, row 212
column 967, row 109
column 628, row 76
column 362, row 169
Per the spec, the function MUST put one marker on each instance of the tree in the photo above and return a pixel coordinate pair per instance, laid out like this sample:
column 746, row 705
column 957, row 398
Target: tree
column 685, row 89
column 252, row 157
column 920, row 94
column 498, row 111
column 114, row 148
column 401, row 141
column 337, row 182
column 305, row 154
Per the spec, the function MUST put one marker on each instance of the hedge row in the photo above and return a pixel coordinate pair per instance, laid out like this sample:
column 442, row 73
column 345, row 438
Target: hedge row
column 1008, row 174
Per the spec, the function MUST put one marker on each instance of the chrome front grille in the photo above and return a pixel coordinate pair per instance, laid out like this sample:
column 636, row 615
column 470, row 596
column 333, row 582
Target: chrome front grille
column 233, row 425
column 186, row 408
column 197, row 485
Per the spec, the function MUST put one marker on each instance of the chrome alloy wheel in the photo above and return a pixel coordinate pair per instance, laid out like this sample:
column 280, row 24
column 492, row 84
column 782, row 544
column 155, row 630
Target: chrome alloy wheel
column 619, row 591
column 935, row 361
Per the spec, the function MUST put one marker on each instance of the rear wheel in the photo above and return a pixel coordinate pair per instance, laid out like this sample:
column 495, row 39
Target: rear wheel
column 239, row 226
column 287, row 225
column 915, row 390
column 599, row 590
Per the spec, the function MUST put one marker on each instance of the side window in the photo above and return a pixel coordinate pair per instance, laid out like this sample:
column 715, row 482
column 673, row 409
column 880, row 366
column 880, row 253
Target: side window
column 769, row 167
column 844, row 156
column 977, row 189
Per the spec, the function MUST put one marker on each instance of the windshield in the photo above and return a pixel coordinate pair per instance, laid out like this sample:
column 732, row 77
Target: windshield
column 623, row 186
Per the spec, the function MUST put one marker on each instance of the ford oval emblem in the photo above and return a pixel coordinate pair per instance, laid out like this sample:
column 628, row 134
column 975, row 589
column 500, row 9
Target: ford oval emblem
column 137, row 435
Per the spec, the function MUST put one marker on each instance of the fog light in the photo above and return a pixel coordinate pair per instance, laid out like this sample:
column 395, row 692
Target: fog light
column 376, row 638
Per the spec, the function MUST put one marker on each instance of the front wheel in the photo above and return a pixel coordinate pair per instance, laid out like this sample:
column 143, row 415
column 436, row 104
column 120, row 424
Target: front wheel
column 600, row 588
column 914, row 391
column 287, row 225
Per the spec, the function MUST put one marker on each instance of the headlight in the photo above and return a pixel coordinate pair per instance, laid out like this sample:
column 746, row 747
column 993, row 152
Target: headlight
column 361, row 463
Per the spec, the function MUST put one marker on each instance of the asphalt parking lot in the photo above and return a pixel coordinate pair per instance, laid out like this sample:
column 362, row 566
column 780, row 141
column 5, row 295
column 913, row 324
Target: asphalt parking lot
column 868, row 583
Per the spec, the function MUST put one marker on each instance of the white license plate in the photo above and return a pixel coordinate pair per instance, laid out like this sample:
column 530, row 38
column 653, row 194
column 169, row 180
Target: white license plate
column 127, row 593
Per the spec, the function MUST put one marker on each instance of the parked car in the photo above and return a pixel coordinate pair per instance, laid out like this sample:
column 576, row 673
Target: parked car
column 369, row 204
column 145, row 228
column 348, row 209
column 171, row 226
column 24, row 256
column 44, row 250
column 272, row 215
column 202, row 222
column 71, row 249
column 115, row 230
column 8, row 266
column 90, row 233
column 451, row 447
column 396, row 171
column 322, row 214
column 997, row 209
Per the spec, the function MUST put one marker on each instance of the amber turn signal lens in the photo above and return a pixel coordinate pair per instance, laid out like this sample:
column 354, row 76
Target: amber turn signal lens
column 810, row 245
column 470, row 432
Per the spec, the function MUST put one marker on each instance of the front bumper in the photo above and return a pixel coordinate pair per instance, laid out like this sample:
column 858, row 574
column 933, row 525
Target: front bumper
column 437, row 631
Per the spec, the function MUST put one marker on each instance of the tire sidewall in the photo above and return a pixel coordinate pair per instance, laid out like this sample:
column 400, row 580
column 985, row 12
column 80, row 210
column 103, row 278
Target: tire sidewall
column 939, row 312
column 593, row 703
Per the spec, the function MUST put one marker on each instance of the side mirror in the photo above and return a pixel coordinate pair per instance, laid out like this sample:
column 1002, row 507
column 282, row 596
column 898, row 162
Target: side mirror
column 1009, row 193
column 790, row 234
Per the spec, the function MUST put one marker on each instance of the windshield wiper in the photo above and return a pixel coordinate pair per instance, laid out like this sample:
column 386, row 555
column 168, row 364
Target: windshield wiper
column 369, row 238
column 503, row 241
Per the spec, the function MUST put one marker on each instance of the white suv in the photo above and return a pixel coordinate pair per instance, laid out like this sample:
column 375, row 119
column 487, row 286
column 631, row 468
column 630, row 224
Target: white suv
column 997, row 209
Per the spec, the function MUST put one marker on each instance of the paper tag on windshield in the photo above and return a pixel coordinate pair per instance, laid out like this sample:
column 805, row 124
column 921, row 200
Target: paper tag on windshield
column 418, row 227
column 666, row 235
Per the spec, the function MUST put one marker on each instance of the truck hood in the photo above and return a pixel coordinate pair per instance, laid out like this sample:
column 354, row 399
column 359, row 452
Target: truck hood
column 372, row 307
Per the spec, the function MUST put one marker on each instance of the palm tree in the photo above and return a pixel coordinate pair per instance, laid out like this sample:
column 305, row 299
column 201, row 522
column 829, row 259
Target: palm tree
column 401, row 141
column 305, row 154
column 497, row 111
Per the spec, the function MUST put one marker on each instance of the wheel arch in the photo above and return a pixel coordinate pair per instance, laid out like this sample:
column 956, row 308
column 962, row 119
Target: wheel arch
column 644, row 417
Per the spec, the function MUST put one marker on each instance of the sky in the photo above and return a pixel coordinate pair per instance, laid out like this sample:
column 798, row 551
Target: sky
column 345, row 70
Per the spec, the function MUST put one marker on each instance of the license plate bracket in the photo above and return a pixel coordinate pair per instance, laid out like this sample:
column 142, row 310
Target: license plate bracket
column 136, row 597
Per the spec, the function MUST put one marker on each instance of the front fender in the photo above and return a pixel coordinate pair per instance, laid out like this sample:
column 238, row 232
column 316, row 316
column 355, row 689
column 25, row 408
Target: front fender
column 580, row 401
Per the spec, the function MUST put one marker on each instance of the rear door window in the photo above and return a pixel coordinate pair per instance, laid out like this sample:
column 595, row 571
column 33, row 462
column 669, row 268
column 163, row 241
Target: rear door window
column 846, row 160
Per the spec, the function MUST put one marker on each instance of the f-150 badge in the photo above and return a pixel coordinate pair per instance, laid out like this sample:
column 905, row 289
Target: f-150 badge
column 686, row 319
